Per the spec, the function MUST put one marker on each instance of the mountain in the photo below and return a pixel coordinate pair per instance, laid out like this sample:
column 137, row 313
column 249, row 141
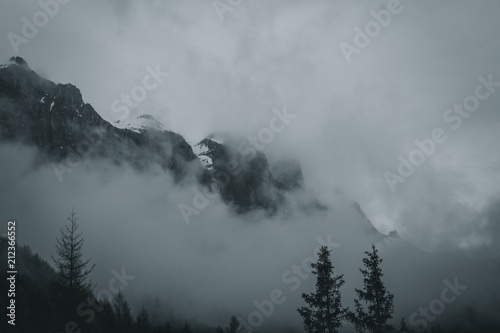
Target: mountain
column 55, row 119
column 29, row 264
column 247, row 180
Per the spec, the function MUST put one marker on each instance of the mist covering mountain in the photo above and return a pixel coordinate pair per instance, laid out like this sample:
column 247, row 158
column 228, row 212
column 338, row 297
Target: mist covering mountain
column 134, row 182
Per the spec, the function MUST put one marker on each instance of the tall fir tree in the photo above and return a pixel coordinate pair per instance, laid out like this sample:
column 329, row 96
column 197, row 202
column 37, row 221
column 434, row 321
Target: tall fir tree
column 71, row 284
column 71, row 269
column 324, row 312
column 379, row 303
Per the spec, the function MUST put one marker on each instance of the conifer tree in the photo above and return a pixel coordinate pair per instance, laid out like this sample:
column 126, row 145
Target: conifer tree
column 70, row 285
column 378, row 306
column 186, row 328
column 403, row 328
column 71, row 269
column 234, row 325
column 122, row 312
column 143, row 325
column 324, row 312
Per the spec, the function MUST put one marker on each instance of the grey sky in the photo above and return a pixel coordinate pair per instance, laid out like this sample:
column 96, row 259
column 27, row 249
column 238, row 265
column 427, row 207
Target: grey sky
column 353, row 120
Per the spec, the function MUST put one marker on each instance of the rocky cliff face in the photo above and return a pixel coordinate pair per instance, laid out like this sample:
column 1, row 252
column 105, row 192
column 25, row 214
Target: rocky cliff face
column 248, row 180
column 55, row 119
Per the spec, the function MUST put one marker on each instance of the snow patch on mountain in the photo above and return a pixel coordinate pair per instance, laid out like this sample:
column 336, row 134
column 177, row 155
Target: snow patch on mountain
column 140, row 124
column 201, row 150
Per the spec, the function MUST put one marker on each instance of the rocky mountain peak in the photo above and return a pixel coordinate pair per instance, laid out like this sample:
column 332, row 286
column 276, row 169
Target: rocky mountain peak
column 18, row 61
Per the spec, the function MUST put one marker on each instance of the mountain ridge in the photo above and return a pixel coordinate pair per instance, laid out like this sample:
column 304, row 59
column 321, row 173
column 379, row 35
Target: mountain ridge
column 55, row 119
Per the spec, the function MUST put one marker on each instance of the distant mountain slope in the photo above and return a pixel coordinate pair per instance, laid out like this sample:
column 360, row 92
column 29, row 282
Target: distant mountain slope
column 27, row 263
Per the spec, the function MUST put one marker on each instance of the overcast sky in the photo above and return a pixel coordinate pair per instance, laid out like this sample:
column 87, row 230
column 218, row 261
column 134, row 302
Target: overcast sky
column 228, row 71
column 356, row 119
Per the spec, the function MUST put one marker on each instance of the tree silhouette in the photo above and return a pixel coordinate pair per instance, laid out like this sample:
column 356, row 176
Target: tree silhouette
column 234, row 325
column 70, row 285
column 324, row 312
column 143, row 325
column 105, row 319
column 186, row 328
column 71, row 270
column 379, row 302
column 122, row 312
column 403, row 328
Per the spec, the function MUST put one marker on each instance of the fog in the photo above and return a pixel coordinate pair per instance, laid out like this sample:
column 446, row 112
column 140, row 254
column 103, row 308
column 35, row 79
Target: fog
column 220, row 263
column 353, row 121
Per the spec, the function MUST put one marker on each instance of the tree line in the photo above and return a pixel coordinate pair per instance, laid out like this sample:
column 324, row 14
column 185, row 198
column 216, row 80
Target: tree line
column 48, row 298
